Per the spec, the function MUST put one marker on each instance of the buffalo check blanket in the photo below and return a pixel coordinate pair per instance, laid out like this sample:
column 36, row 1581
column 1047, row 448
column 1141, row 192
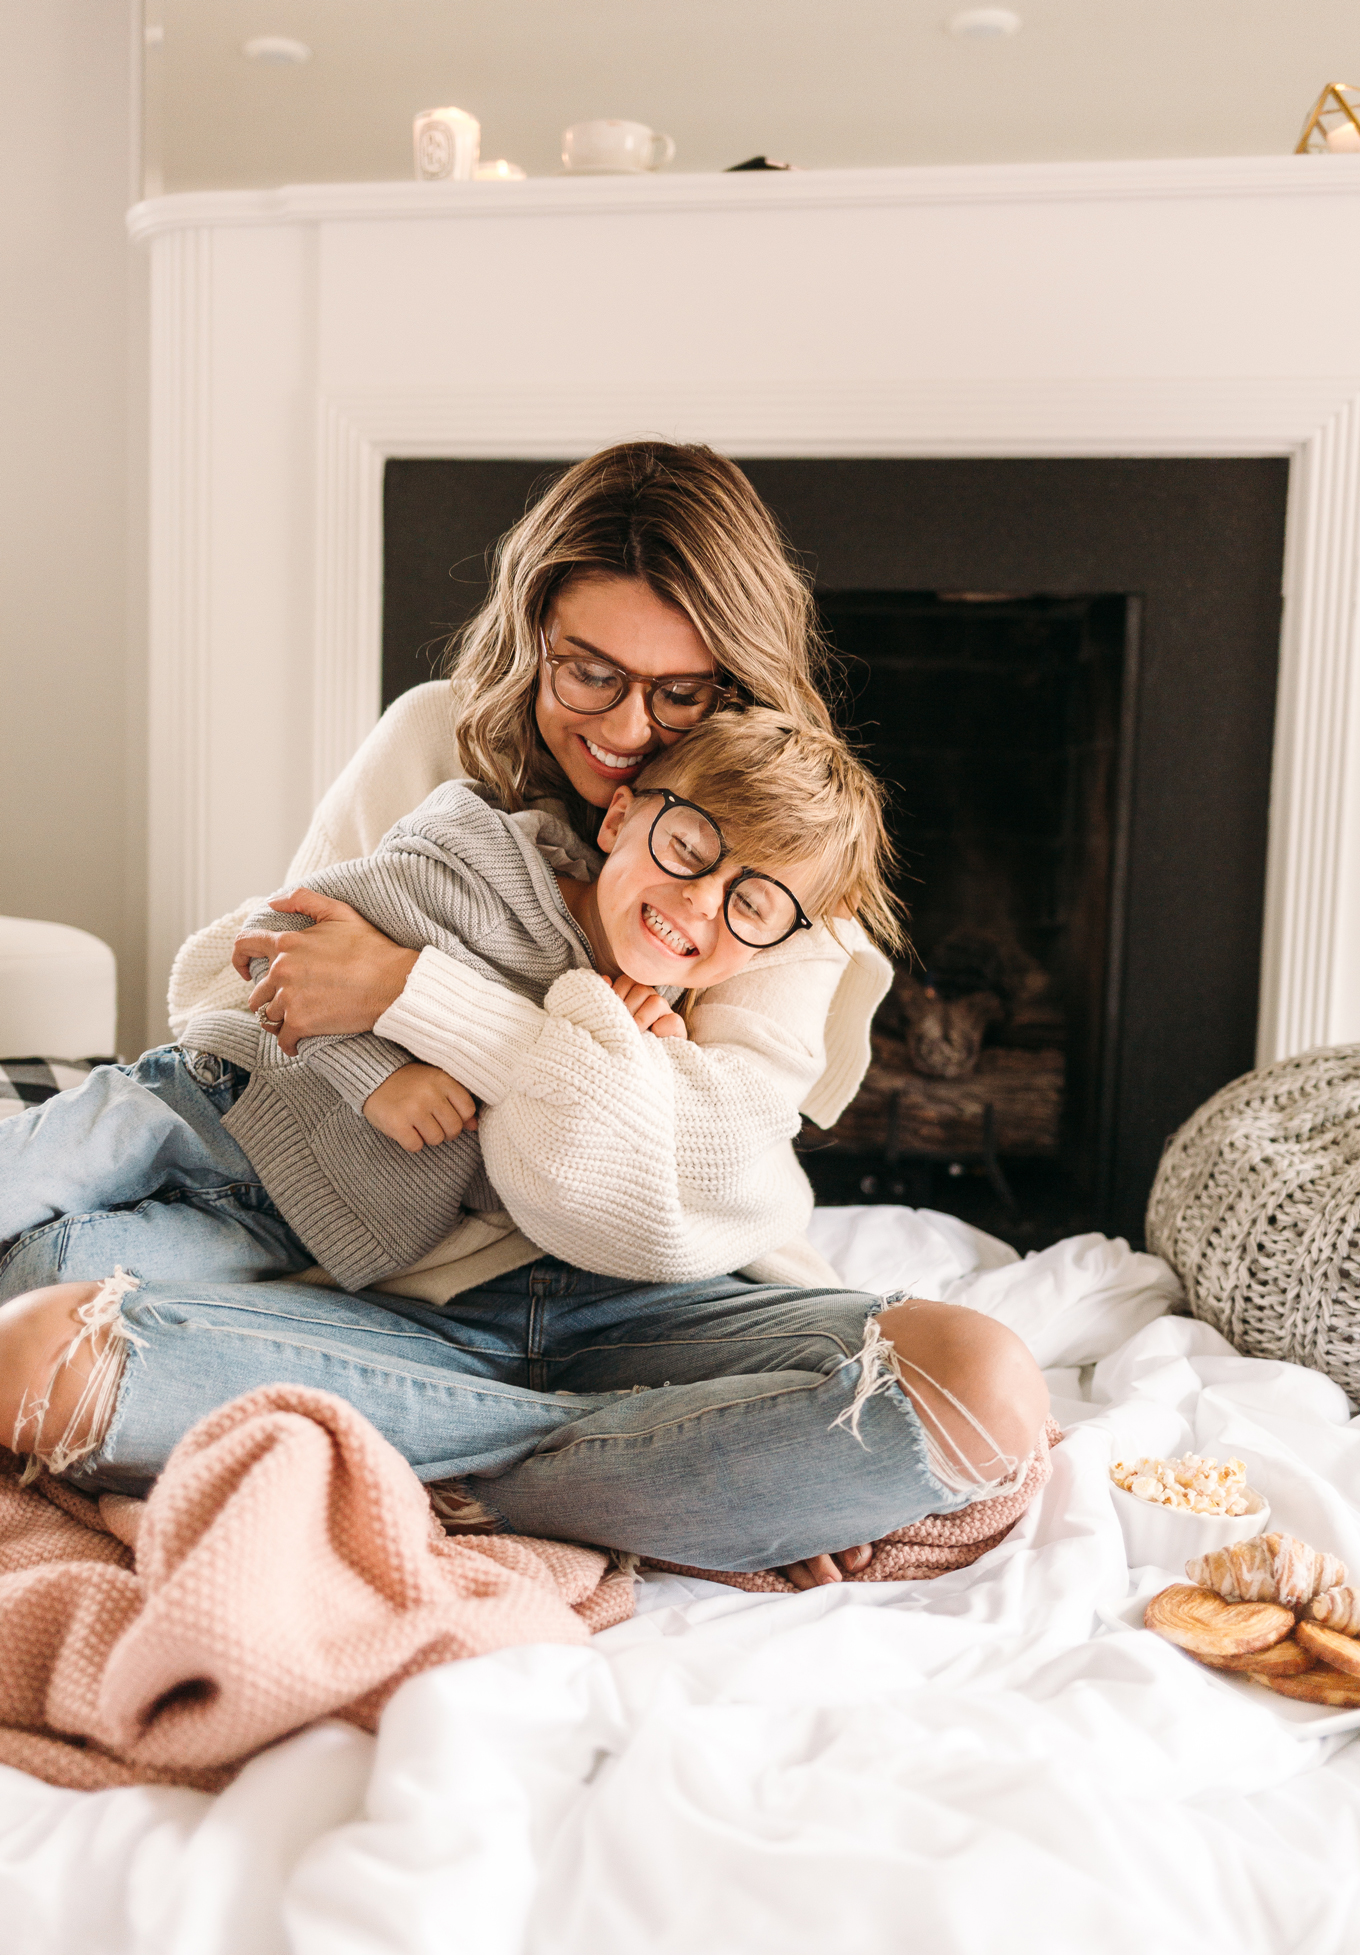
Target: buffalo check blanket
column 28, row 1082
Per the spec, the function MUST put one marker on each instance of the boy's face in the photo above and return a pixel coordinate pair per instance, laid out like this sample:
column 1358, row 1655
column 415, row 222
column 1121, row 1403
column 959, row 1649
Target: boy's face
column 664, row 930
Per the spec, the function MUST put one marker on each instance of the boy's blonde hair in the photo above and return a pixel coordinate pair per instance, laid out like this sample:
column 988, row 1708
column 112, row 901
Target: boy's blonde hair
column 688, row 524
column 783, row 791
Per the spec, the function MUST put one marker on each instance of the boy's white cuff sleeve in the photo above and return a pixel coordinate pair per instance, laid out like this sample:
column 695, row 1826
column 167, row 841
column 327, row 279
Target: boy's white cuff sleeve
column 451, row 1016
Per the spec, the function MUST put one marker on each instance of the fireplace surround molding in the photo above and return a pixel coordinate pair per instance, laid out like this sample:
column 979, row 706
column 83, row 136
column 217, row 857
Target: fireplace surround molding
column 300, row 338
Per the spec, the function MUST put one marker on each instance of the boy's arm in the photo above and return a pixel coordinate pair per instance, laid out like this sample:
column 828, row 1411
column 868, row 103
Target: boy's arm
column 649, row 1010
column 420, row 1106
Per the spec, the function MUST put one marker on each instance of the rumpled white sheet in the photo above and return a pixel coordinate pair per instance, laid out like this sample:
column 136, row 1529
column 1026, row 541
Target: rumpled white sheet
column 987, row 1761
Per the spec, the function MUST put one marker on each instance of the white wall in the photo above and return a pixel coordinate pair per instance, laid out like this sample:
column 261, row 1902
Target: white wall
column 72, row 663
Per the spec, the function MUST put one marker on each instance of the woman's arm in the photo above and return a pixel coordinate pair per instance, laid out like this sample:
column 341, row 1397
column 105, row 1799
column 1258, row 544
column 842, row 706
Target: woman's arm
column 347, row 969
column 337, row 978
column 641, row 1157
column 661, row 1159
column 775, row 1015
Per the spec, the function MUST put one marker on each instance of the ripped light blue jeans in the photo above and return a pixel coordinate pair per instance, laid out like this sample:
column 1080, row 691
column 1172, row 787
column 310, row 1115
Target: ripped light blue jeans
column 693, row 1422
column 704, row 1422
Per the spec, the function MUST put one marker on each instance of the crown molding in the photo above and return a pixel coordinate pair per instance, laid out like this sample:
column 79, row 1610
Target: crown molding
column 776, row 190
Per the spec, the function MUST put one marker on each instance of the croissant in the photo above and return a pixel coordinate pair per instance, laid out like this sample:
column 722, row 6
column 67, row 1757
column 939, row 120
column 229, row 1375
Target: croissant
column 1268, row 1568
column 1339, row 1608
column 1206, row 1625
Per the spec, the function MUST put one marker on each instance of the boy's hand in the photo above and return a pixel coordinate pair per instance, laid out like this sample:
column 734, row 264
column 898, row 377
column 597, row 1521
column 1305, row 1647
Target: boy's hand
column 650, row 1012
column 419, row 1106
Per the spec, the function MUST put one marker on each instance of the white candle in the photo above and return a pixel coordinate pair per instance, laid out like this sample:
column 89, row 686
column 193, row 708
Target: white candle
column 1345, row 136
column 446, row 142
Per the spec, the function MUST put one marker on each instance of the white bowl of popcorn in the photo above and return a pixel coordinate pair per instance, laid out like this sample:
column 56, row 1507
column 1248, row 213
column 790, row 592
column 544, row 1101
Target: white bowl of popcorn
column 1171, row 1510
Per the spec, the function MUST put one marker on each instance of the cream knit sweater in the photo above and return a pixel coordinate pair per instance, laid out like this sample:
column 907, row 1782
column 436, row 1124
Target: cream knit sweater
column 656, row 1159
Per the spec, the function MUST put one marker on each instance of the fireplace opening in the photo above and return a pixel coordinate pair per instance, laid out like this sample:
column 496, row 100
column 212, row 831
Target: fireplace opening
column 999, row 720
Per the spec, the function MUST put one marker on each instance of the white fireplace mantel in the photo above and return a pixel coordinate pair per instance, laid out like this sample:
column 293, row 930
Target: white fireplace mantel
column 301, row 337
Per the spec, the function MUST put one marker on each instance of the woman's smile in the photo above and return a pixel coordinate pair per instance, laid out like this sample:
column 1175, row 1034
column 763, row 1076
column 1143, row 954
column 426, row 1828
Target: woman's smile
column 619, row 768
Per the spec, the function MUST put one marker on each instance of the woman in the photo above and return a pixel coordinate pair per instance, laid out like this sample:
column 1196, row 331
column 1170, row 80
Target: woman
column 775, row 1420
column 665, row 559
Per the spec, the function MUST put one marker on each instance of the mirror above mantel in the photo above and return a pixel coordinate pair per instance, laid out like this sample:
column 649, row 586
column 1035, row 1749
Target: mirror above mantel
column 880, row 83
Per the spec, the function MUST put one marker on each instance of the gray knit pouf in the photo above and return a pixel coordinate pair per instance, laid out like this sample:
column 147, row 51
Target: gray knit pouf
column 1256, row 1206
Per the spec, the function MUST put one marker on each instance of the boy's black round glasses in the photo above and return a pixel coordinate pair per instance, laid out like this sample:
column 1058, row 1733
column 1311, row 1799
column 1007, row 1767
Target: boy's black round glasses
column 686, row 842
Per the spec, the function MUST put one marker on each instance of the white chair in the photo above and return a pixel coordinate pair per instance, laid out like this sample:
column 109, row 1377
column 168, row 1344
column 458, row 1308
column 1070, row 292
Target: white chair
column 58, row 992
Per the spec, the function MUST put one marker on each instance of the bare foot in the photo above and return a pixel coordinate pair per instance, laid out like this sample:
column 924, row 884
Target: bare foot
column 821, row 1569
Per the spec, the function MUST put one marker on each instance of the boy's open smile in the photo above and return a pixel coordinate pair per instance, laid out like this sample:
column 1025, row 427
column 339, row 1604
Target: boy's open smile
column 667, row 933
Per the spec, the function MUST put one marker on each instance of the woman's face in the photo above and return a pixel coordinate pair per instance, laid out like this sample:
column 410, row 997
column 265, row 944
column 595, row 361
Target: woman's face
column 623, row 620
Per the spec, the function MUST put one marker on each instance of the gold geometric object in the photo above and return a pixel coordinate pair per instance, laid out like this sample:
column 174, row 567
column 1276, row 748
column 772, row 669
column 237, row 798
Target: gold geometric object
column 1333, row 125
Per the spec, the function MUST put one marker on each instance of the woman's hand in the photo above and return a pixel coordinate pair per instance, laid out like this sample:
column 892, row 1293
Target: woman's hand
column 340, row 976
column 420, row 1106
column 820, row 1569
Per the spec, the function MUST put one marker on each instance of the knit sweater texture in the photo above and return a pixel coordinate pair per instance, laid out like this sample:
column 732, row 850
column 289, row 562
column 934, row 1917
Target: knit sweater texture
column 652, row 1159
column 476, row 884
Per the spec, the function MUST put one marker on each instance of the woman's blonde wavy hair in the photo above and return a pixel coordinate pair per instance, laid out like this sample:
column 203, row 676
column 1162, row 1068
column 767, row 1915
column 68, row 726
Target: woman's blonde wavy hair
column 687, row 523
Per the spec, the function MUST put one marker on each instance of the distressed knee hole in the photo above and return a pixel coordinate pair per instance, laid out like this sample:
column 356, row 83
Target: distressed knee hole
column 460, row 1512
column 882, row 1369
column 99, row 1349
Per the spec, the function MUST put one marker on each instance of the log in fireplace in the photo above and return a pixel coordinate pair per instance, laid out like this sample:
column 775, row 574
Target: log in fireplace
column 1065, row 671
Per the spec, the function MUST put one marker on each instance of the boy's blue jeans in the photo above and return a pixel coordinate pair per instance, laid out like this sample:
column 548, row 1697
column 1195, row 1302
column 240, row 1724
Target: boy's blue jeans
column 694, row 1422
column 134, row 1166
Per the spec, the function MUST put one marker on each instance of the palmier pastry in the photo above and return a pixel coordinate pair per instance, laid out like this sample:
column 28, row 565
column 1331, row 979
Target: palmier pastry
column 1318, row 1686
column 1339, row 1608
column 1286, row 1659
column 1268, row 1568
column 1206, row 1625
column 1329, row 1646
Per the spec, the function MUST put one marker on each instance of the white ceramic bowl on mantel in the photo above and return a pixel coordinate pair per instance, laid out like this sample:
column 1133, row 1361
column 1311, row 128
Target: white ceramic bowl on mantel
column 1168, row 1537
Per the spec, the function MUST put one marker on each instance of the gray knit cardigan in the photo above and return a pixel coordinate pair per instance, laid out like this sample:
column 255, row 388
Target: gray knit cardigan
column 478, row 885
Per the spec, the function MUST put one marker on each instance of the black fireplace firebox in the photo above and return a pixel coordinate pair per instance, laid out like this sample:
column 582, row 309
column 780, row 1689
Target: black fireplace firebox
column 1065, row 673
column 1000, row 722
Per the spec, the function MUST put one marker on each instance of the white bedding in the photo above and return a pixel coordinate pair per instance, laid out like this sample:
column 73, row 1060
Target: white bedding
column 990, row 1761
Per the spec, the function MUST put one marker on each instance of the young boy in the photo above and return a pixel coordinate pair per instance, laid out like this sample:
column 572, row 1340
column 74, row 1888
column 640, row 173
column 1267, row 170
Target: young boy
column 728, row 843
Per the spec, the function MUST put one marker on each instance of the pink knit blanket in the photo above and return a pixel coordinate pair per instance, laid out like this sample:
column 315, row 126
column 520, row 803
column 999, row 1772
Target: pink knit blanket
column 288, row 1567
column 933, row 1546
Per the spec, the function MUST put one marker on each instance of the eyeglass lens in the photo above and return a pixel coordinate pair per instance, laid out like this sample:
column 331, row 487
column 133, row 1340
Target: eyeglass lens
column 759, row 912
column 685, row 843
column 586, row 685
